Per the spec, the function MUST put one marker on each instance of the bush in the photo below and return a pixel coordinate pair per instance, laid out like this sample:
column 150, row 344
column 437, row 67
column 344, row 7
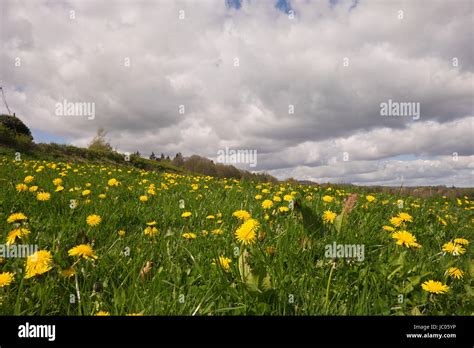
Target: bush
column 16, row 125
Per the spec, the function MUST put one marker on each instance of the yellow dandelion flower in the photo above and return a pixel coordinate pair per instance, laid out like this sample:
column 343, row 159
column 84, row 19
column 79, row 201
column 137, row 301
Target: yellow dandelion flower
column 59, row 188
column 43, row 196
column 396, row 221
column 328, row 199
column 86, row 192
column 6, row 278
column 16, row 217
column 38, row 263
column 435, row 287
column 267, row 204
column 461, row 241
column 210, row 217
column 57, row 182
column 151, row 223
column 224, row 262
column 258, row 197
column 16, row 233
column 93, row 220
column 405, row 238
column 151, row 231
column 21, row 187
column 143, row 198
column 68, row 273
column 455, row 272
column 102, row 196
column 283, row 209
column 370, row 198
column 288, row 198
column 241, row 215
column 113, row 182
column 329, row 216
column 189, row 235
column 388, row 228
column 28, row 179
column 83, row 250
column 33, row 188
column 121, row 233
column 102, row 314
column 405, row 217
column 186, row 214
column 217, row 231
column 247, row 232
column 277, row 199
column 454, row 249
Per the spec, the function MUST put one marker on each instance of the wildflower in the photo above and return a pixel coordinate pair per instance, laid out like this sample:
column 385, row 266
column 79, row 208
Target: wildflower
column 38, row 263
column 57, row 181
column 435, row 287
column 143, row 198
column 405, row 238
column 21, row 187
column 283, row 209
column 102, row 196
column 217, row 231
column 405, row 217
column 102, row 314
column 93, row 220
column 28, row 179
column 328, row 199
column 151, row 223
column 189, row 235
column 288, row 198
column 329, row 216
column 258, row 197
column 186, row 214
column 16, row 217
column 267, row 204
column 121, row 233
column 151, row 231
column 33, row 188
column 86, row 192
column 241, row 215
column 113, row 182
column 455, row 272
column 16, row 233
column 224, row 262
column 210, row 217
column 43, row 196
column 388, row 228
column 277, row 199
column 370, row 198
column 247, row 232
column 83, row 250
column 461, row 241
column 59, row 188
column 396, row 221
column 454, row 249
column 6, row 278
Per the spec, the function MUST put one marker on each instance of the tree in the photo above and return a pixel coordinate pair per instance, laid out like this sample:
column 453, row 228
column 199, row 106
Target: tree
column 152, row 156
column 16, row 125
column 99, row 143
column 178, row 160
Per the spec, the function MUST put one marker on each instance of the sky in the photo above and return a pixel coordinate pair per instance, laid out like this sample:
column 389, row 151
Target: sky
column 303, row 83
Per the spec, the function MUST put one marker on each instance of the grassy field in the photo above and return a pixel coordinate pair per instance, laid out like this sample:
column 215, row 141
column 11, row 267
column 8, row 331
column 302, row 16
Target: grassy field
column 118, row 240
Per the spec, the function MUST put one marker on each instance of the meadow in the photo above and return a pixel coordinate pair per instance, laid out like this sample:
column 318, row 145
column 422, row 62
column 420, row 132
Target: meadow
column 117, row 240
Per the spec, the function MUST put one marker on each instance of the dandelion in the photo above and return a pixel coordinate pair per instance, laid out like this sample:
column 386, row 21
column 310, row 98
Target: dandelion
column 33, row 188
column 83, row 250
column 59, row 188
column 6, row 278
column 143, row 198
column 396, row 221
column 435, row 287
column 277, row 199
column 121, row 233
column 86, row 192
column 16, row 217
column 405, row 238
column 461, row 241
column 258, row 197
column 93, row 220
column 21, row 187
column 224, row 262
column 16, row 233
column 247, row 232
column 43, row 196
column 113, row 182
column 283, row 209
column 186, row 214
column 210, row 217
column 370, row 198
column 241, row 215
column 217, row 232
column 329, row 216
column 388, row 228
column 328, row 199
column 151, row 223
column 102, row 314
column 405, row 217
column 38, row 263
column 288, row 198
column 151, row 231
column 189, row 235
column 453, row 248
column 57, row 181
column 455, row 272
column 267, row 204
column 28, row 179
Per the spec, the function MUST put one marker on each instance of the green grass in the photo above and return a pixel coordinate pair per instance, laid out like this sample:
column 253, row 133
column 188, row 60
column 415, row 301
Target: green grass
column 295, row 279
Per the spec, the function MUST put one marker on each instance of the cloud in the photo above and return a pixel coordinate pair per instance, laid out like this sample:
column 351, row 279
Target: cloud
column 238, row 70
